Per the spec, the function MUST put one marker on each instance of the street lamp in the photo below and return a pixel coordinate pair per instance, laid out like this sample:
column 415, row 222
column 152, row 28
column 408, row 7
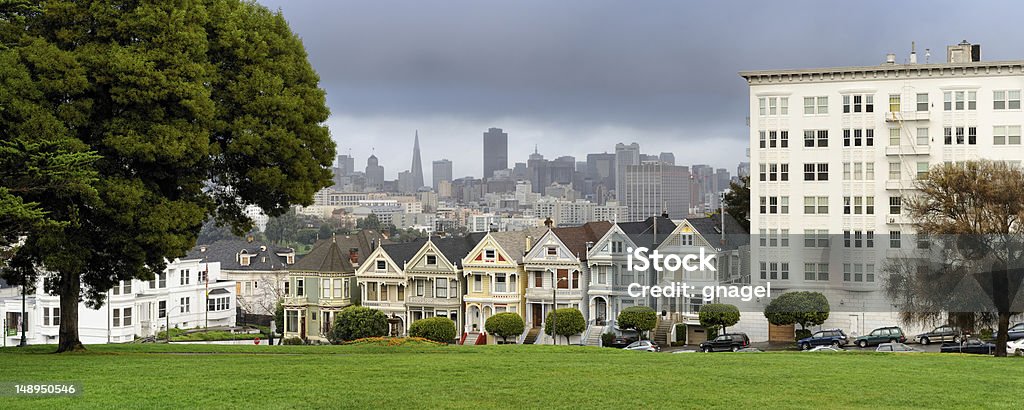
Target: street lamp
column 554, row 303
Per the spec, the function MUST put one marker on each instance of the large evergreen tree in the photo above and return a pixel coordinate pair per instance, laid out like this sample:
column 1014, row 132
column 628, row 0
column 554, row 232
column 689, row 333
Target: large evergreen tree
column 196, row 108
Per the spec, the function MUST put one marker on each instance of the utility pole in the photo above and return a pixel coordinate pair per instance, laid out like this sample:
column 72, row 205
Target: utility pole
column 206, row 277
column 24, row 313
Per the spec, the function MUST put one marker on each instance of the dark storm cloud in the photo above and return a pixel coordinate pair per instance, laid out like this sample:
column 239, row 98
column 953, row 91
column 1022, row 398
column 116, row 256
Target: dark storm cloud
column 646, row 69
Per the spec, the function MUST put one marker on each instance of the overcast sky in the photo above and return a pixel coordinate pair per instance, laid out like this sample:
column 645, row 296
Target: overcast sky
column 575, row 77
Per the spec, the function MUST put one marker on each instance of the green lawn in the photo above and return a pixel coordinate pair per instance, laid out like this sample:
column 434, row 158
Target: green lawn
column 117, row 376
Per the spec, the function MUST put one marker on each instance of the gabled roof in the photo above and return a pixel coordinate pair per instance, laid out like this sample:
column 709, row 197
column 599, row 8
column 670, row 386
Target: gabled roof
column 326, row 257
column 262, row 256
column 578, row 237
column 456, row 248
column 711, row 229
column 514, row 242
column 403, row 252
column 649, row 232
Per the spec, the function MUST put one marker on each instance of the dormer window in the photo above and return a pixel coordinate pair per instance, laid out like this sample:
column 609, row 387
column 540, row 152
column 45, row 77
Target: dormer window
column 243, row 258
column 381, row 265
column 617, row 246
column 432, row 260
column 290, row 259
column 686, row 239
column 552, row 251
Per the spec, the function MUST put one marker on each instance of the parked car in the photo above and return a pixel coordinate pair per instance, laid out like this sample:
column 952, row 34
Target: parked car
column 826, row 348
column 644, row 345
column 621, row 342
column 972, row 346
column 726, row 342
column 1015, row 332
column 830, row 337
column 1015, row 347
column 945, row 333
column 896, row 347
column 881, row 335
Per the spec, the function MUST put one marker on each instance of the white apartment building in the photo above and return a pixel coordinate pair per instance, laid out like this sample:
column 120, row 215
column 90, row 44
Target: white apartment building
column 181, row 297
column 834, row 151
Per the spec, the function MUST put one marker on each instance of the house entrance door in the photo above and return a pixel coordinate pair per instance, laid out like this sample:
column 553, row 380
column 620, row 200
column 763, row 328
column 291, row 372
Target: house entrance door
column 538, row 314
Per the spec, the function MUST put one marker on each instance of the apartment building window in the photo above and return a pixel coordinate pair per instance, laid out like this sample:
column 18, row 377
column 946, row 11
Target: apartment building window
column 763, row 138
column 894, row 171
column 856, row 103
column 51, row 316
column 161, row 309
column 972, row 135
column 431, row 260
column 895, row 205
column 777, row 139
column 869, row 205
column 869, row 171
column 922, row 136
column 421, row 285
column 960, row 100
column 922, row 101
column 185, row 277
column 776, row 106
column 922, row 169
column 115, row 317
column 894, row 103
column 859, row 137
column 815, row 138
column 816, row 205
column 203, row 275
column 816, row 271
column 763, row 174
column 815, row 238
column 774, row 204
column 1006, row 100
column 336, row 289
column 440, row 287
column 185, row 305
column 858, row 272
column 816, row 172
column 815, row 105
column 894, row 137
column 776, row 270
column 762, row 110
column 895, row 239
column 1006, row 135
column 300, row 287
column 478, row 283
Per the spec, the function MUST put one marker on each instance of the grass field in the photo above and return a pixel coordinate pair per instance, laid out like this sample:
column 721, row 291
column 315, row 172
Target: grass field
column 186, row 376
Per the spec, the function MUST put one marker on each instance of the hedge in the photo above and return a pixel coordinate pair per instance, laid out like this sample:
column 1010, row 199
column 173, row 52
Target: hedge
column 439, row 329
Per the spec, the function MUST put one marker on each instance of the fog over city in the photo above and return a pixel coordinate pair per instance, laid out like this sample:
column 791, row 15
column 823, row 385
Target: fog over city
column 576, row 77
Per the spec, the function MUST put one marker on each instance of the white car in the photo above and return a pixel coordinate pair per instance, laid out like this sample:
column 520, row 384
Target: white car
column 896, row 347
column 643, row 345
column 1015, row 347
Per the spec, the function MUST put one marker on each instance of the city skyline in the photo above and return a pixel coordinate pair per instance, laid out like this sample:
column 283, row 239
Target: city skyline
column 576, row 78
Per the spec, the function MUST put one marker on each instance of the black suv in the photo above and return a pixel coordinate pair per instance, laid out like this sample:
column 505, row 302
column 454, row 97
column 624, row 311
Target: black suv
column 726, row 342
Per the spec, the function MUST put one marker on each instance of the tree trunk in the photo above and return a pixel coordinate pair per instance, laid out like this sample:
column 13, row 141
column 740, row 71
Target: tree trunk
column 1001, row 333
column 70, row 290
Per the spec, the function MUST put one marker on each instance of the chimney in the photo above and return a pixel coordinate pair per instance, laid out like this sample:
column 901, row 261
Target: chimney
column 963, row 53
column 913, row 53
column 249, row 239
column 353, row 255
column 548, row 222
column 664, row 214
column 890, row 59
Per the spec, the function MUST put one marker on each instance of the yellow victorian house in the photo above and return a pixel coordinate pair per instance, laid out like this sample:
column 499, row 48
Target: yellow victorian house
column 493, row 272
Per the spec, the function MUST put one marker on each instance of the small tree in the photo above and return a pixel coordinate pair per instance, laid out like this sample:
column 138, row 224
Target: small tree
column 438, row 329
column 357, row 322
column 279, row 317
column 804, row 308
column 569, row 321
column 715, row 315
column 505, row 325
column 639, row 318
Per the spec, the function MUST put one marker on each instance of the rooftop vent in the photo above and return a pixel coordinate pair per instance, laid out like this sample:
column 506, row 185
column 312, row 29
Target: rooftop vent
column 963, row 53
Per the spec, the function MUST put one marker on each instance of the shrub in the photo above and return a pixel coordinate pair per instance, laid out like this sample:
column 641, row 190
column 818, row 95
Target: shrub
column 438, row 329
column 393, row 341
column 639, row 318
column 607, row 338
column 357, row 322
column 292, row 341
column 569, row 321
column 505, row 325
column 718, row 315
column 802, row 333
column 805, row 308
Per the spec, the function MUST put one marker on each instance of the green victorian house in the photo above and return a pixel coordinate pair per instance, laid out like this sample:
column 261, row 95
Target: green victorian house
column 322, row 283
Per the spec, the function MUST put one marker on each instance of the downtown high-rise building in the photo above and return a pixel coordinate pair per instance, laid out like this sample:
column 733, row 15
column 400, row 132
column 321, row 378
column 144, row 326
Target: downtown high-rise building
column 495, row 151
column 442, row 171
column 625, row 155
column 346, row 165
column 416, row 170
column 374, row 174
column 655, row 188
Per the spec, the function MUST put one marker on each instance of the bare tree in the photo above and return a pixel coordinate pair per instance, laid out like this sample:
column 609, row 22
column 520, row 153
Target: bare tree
column 972, row 257
column 267, row 292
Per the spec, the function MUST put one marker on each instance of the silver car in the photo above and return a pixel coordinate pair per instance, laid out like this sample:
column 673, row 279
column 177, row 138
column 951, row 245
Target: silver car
column 643, row 345
column 896, row 347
